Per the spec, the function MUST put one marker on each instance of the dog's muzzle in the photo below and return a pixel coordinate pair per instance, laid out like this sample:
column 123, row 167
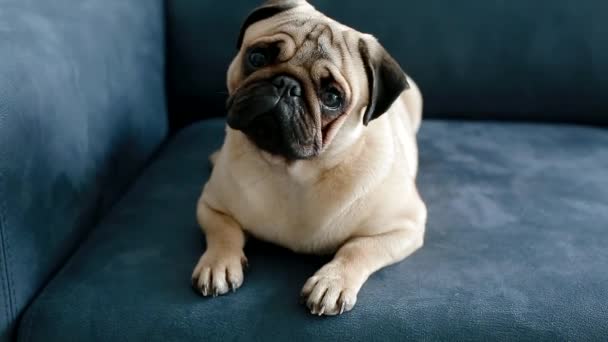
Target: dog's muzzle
column 272, row 115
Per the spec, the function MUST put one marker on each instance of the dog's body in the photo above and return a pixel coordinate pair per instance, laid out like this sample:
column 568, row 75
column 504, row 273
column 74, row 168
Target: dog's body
column 315, row 206
column 353, row 192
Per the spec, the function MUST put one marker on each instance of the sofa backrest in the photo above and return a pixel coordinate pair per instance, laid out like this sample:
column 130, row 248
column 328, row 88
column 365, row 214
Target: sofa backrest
column 82, row 107
column 518, row 59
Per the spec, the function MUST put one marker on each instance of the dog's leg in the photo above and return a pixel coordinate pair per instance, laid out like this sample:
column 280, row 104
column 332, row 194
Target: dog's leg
column 333, row 289
column 220, row 269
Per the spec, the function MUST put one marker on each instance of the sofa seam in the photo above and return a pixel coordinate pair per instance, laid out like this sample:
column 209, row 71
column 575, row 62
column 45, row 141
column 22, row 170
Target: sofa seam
column 8, row 289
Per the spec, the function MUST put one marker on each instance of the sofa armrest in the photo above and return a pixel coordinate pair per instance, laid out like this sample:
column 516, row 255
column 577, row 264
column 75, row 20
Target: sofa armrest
column 82, row 107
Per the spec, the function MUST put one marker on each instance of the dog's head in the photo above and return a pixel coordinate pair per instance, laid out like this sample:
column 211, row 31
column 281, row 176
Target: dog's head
column 300, row 76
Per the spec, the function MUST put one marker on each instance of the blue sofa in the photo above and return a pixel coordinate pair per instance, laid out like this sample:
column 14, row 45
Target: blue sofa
column 109, row 109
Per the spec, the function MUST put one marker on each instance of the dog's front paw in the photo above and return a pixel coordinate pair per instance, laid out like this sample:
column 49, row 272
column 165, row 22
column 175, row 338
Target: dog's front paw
column 218, row 273
column 330, row 291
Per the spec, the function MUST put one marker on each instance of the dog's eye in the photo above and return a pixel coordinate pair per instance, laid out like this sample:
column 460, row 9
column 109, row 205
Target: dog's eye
column 331, row 98
column 258, row 58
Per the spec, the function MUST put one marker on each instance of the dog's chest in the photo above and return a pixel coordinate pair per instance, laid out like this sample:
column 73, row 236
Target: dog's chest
column 274, row 208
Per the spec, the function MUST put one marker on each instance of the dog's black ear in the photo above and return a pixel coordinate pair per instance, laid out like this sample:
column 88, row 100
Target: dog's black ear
column 269, row 9
column 385, row 77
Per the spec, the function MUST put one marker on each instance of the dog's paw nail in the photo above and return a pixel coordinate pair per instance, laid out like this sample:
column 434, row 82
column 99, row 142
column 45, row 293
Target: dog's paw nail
column 245, row 263
column 342, row 307
column 321, row 311
column 232, row 287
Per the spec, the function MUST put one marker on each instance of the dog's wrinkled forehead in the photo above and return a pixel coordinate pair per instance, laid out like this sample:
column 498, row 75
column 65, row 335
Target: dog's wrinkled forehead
column 313, row 34
column 289, row 11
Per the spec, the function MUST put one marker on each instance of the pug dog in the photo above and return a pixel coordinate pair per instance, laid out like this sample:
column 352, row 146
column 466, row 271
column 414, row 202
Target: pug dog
column 320, row 156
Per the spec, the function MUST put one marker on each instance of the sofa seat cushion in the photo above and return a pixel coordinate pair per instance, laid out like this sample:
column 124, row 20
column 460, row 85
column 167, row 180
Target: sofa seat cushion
column 515, row 249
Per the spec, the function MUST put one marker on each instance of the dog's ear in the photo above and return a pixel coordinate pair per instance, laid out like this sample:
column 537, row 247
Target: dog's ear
column 268, row 9
column 385, row 77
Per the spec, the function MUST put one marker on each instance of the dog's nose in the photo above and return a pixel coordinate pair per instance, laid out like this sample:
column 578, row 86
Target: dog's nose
column 288, row 85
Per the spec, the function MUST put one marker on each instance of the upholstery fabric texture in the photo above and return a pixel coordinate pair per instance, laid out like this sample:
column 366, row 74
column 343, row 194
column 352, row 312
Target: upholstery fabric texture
column 519, row 59
column 515, row 250
column 82, row 108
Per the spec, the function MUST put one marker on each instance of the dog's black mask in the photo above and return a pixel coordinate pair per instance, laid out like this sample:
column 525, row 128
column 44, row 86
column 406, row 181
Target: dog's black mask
column 274, row 116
